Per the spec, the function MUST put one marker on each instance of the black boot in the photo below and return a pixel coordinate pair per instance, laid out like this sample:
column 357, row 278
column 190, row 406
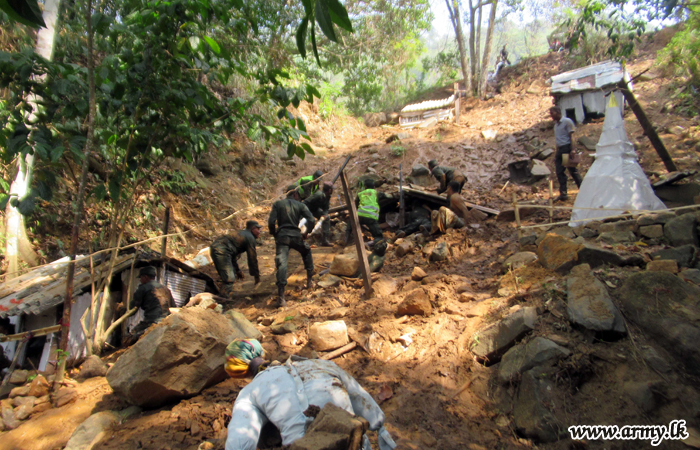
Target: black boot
column 309, row 281
column 282, row 301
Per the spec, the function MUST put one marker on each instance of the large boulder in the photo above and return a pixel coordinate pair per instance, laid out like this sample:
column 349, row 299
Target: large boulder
column 345, row 265
column 242, row 325
column 589, row 304
column 666, row 308
column 532, row 408
column 537, row 352
column 493, row 341
column 175, row 359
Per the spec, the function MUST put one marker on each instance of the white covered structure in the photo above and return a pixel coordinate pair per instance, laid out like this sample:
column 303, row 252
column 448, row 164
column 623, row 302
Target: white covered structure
column 615, row 183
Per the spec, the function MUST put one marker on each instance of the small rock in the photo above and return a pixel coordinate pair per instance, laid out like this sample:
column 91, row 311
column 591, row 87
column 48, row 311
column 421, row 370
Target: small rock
column 283, row 328
column 537, row 352
column 544, row 154
column 23, row 411
column 685, row 255
column 19, row 401
column 539, row 170
column 8, row 417
column 655, row 360
column 489, row 134
column 558, row 253
column 64, row 396
column 404, row 248
column 338, row 313
column 416, row 302
column 19, row 376
column 559, row 340
column 20, row 391
column 41, row 407
column 529, row 239
column 418, row 274
column 466, row 287
column 432, row 279
column 691, row 276
column 241, row 325
column 617, row 237
column 518, row 260
column 440, row 252
column 493, row 341
column 531, row 413
column 663, row 265
column 39, row 387
column 92, row 367
column 385, row 286
column 589, row 304
column 44, row 399
column 641, row 394
column 652, row 231
column 466, row 297
column 329, row 281
column 419, row 170
column 344, row 265
column 325, row 336
column 621, row 225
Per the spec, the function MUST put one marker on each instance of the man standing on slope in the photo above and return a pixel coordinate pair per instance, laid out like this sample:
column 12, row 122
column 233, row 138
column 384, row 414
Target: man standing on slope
column 154, row 298
column 284, row 226
column 564, row 133
column 367, row 212
column 225, row 252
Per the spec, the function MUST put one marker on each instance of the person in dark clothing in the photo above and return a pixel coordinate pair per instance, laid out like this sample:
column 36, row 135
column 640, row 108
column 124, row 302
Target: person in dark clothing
column 307, row 186
column 226, row 250
column 419, row 215
column 284, row 226
column 318, row 204
column 446, row 174
column 367, row 202
column 154, row 298
column 6, row 328
column 563, row 133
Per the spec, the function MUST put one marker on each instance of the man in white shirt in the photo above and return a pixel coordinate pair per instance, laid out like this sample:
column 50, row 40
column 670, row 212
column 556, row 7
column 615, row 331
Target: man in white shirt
column 563, row 132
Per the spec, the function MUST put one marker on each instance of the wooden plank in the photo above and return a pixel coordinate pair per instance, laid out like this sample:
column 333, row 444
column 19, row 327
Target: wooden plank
column 443, row 200
column 357, row 232
column 402, row 206
column 457, row 103
column 33, row 333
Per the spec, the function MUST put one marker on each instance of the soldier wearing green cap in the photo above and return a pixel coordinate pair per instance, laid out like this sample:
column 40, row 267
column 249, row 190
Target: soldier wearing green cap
column 284, row 226
column 226, row 250
column 154, row 298
column 307, row 186
column 446, row 174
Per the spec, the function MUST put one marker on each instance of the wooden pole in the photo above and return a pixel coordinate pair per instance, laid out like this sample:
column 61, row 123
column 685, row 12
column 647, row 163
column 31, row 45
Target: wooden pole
column 341, row 351
column 33, row 333
column 18, row 350
column 359, row 242
column 646, row 124
column 551, row 201
column 164, row 242
column 457, row 103
column 402, row 206
column 347, row 160
column 517, row 215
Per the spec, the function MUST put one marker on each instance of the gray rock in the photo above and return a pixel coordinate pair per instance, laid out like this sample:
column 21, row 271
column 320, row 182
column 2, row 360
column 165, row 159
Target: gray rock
column 329, row 280
column 685, row 255
column 682, row 230
column 537, row 352
column 89, row 433
column 539, row 170
column 325, row 336
column 175, row 359
column 655, row 360
column 589, row 304
column 531, row 415
column 283, row 327
column 691, row 276
column 92, row 367
column 651, row 219
column 440, row 252
column 652, row 231
column 19, row 376
column 621, row 225
column 490, row 343
column 595, row 256
column 544, row 154
column 419, row 170
column 241, row 325
column 518, row 260
column 23, row 411
column 588, row 233
column 209, row 166
column 565, row 231
column 642, row 394
column 528, row 239
column 8, row 417
column 666, row 308
column 617, row 237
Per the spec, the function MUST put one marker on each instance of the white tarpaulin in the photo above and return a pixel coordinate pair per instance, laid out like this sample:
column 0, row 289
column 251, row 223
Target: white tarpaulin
column 615, row 183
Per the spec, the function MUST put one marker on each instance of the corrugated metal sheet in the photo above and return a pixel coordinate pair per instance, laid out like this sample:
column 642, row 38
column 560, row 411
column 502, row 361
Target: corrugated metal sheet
column 592, row 77
column 183, row 286
column 430, row 104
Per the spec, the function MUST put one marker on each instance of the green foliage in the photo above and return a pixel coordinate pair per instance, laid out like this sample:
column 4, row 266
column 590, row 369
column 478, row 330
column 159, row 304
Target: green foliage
column 26, row 12
column 331, row 104
column 680, row 57
column 398, row 151
column 176, row 182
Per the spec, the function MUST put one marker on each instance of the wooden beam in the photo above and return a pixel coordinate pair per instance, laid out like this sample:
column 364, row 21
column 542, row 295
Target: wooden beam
column 646, row 124
column 33, row 333
column 357, row 232
column 457, row 105
column 402, row 205
column 442, row 201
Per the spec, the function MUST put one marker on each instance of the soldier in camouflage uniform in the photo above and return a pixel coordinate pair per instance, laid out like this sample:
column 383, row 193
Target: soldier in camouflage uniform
column 318, row 204
column 154, row 298
column 446, row 174
column 307, row 186
column 284, row 226
column 226, row 250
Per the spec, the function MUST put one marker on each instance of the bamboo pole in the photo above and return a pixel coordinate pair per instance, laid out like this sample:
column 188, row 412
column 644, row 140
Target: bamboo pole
column 551, row 201
column 517, row 215
column 457, row 103
column 342, row 350
column 33, row 333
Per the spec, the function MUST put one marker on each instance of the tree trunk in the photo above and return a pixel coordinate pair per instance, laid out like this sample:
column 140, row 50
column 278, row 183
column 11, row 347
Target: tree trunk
column 16, row 241
column 473, row 52
column 456, row 19
column 487, row 49
column 478, row 44
column 78, row 205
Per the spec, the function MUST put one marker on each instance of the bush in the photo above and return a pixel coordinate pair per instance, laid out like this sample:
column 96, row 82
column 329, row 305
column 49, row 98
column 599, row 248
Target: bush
column 398, row 151
column 176, row 182
column 680, row 57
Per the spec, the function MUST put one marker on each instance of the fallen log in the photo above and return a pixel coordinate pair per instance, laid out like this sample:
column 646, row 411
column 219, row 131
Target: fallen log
column 341, row 351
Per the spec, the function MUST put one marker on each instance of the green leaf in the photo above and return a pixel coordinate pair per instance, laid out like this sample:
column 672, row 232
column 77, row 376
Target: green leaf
column 308, row 7
column 26, row 12
column 100, row 192
column 300, row 124
column 291, row 149
column 324, row 20
column 212, row 43
column 195, row 42
column 301, row 37
column 300, row 152
column 313, row 42
column 56, row 153
column 114, row 189
column 27, row 204
column 3, row 201
column 339, row 15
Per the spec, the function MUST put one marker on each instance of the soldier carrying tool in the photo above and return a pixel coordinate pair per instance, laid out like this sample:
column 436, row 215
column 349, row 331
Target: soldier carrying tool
column 284, row 226
column 226, row 250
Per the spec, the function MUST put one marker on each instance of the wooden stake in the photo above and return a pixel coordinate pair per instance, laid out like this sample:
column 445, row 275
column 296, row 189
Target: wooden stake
column 646, row 124
column 551, row 201
column 164, row 241
column 457, row 103
column 342, row 350
column 357, row 232
column 18, row 350
column 402, row 206
column 517, row 215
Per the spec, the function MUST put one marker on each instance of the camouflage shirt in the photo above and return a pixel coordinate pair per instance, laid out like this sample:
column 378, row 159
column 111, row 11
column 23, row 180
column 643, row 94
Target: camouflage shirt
column 235, row 245
column 318, row 203
column 155, row 300
column 286, row 215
